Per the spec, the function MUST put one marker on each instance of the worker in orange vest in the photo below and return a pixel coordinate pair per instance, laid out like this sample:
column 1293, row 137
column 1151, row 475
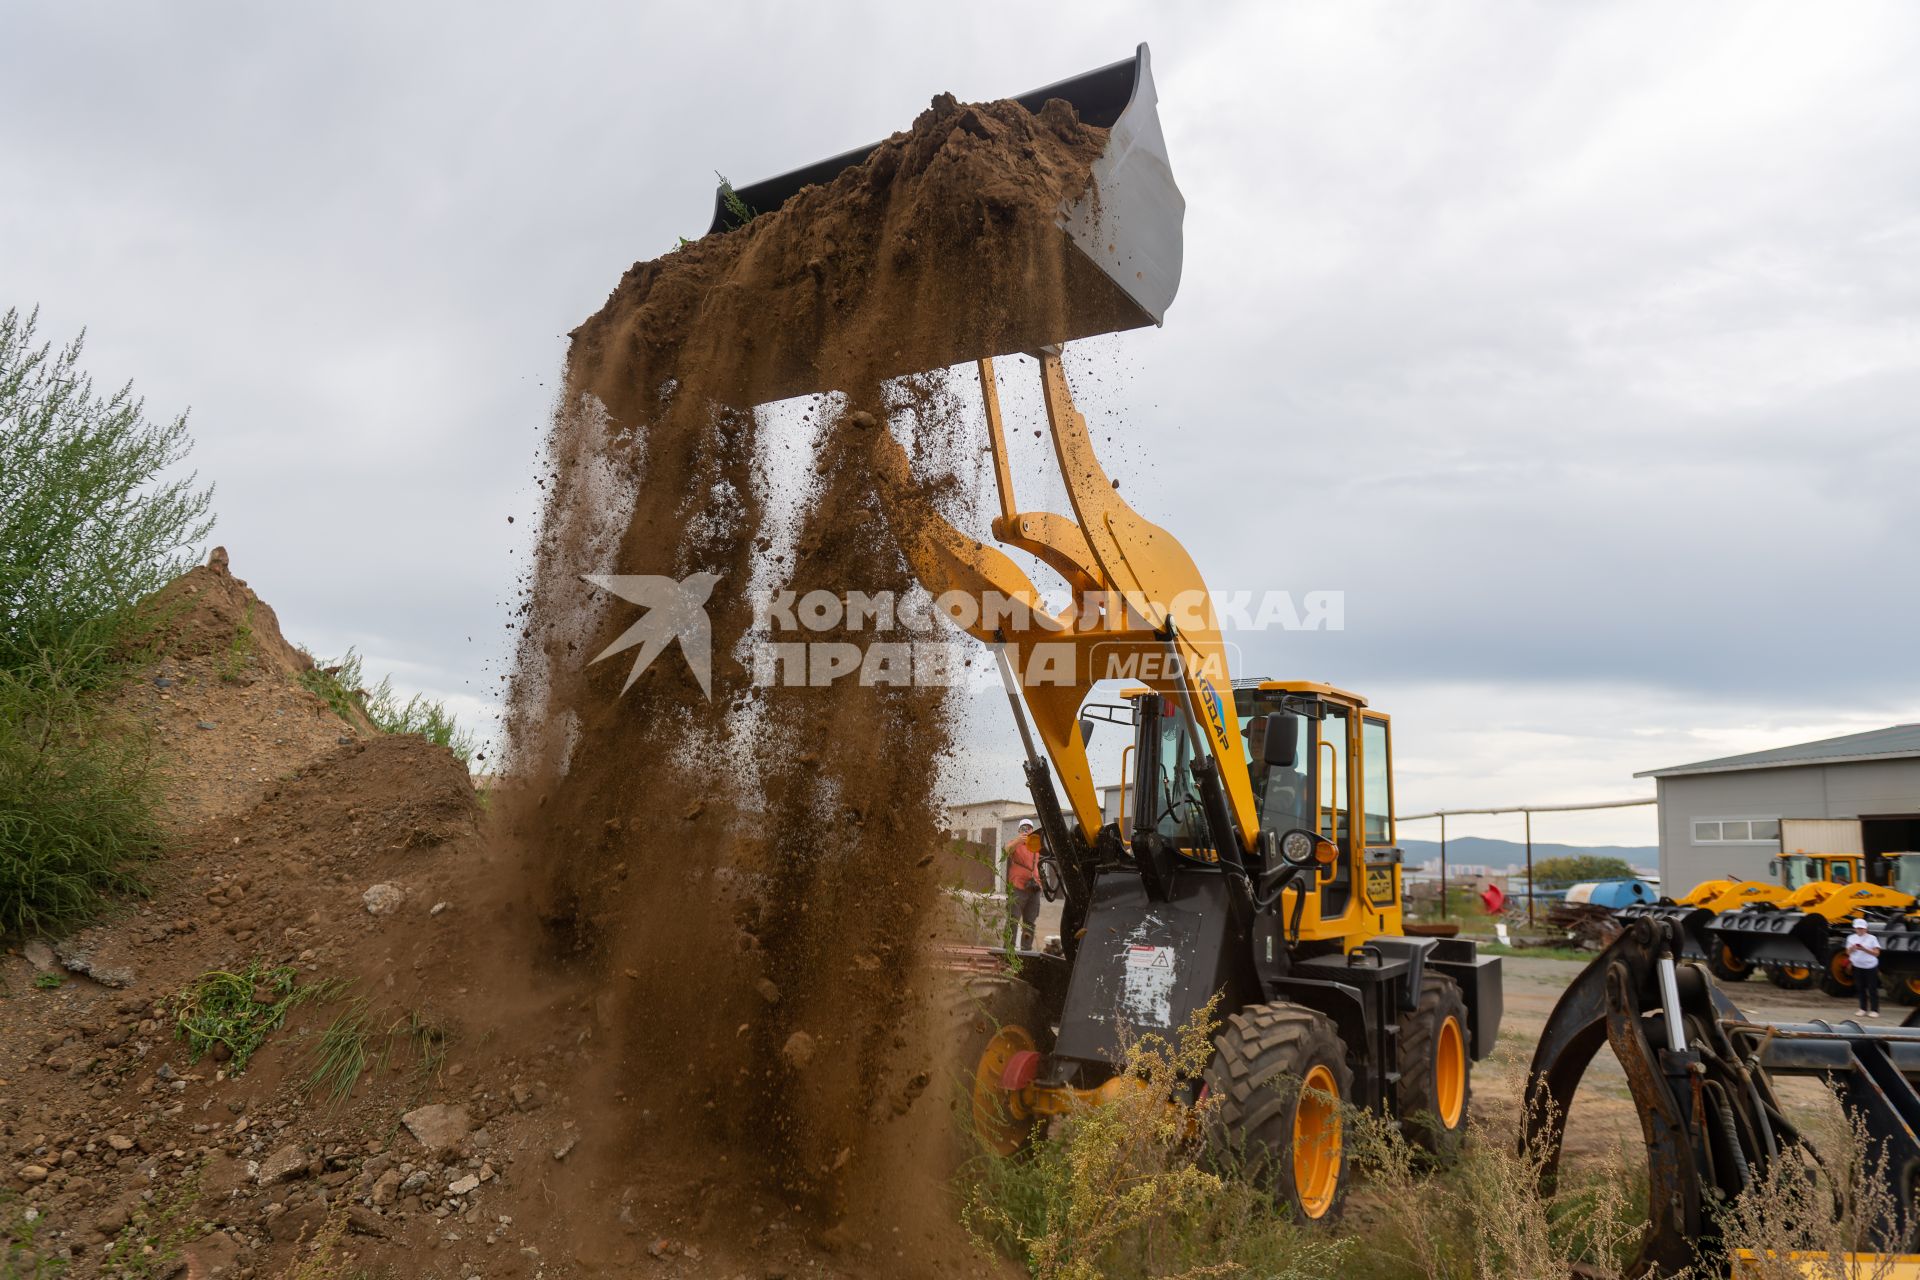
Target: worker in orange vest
column 1023, row 885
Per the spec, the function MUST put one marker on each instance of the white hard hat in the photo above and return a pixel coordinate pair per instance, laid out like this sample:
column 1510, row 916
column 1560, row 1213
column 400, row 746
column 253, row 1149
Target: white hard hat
column 1026, row 824
column 1859, row 922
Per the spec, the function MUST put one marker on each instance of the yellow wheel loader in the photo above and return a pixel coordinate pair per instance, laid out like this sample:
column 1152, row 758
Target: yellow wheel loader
column 1257, row 865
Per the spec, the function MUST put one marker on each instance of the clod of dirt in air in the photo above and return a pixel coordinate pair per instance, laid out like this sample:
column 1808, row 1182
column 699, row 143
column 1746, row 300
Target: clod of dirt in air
column 799, row 1050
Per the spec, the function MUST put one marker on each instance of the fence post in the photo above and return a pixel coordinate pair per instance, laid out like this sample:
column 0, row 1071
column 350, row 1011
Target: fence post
column 1529, row 868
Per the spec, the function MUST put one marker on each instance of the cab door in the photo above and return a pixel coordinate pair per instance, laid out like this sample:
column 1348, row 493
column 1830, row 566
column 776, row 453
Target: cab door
column 1334, row 806
column 1375, row 806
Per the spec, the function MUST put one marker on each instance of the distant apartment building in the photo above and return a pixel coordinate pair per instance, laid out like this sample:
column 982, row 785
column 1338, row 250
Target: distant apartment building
column 1728, row 817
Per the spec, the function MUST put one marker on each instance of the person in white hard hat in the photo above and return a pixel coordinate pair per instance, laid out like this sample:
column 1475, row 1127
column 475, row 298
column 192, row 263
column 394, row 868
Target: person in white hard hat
column 1863, row 953
column 1023, row 885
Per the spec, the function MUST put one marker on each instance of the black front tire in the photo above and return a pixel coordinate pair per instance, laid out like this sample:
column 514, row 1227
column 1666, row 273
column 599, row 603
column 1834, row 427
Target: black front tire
column 1836, row 975
column 1279, row 1074
column 989, row 1015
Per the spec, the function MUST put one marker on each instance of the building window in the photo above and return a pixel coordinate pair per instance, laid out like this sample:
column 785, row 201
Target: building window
column 1737, row 831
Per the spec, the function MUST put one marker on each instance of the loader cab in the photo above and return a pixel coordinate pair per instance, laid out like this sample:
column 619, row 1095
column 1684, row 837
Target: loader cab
column 1899, row 871
column 1318, row 759
column 1798, row 870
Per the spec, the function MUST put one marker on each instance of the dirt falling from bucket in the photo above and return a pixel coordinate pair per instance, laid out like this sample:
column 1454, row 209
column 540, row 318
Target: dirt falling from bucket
column 745, row 870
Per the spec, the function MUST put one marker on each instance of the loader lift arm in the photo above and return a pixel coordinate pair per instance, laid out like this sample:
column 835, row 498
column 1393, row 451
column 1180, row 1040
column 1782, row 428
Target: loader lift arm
column 1136, row 592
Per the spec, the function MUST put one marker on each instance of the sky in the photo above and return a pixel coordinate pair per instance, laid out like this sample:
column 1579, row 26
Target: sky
column 1578, row 346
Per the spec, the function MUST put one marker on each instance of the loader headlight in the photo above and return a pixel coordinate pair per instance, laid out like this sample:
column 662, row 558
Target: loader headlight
column 1296, row 846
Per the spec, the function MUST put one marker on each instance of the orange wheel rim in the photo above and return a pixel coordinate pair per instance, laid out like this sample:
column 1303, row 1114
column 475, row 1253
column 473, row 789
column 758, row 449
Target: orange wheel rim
column 1795, row 971
column 1450, row 1073
column 1913, row 985
column 1000, row 1119
column 1316, row 1143
column 1728, row 960
column 1841, row 968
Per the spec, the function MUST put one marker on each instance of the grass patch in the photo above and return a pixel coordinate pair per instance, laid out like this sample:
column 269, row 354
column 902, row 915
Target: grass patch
column 151, row 1244
column 230, row 1015
column 321, row 1259
column 1541, row 953
column 342, row 1055
column 47, row 981
column 340, row 684
column 240, row 651
column 337, row 684
column 419, row 715
column 21, row 1257
column 360, row 1040
column 79, row 794
column 737, row 209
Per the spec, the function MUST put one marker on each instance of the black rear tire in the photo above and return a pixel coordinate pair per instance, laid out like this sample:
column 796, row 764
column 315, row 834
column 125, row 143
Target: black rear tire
column 1279, row 1074
column 1899, row 987
column 1795, row 980
column 1725, row 966
column 1434, row 1097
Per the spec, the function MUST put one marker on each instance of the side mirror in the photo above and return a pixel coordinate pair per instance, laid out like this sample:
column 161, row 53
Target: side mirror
column 1280, row 744
column 1086, row 730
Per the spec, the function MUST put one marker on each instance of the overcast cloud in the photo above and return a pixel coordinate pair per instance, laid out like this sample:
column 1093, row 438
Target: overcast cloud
column 1578, row 345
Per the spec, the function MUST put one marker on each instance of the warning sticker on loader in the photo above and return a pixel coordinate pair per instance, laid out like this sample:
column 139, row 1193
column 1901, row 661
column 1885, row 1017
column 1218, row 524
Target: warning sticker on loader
column 1380, row 884
column 1146, row 993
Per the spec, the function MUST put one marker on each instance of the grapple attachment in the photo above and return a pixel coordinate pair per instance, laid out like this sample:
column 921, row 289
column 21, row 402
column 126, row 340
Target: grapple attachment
column 1766, row 935
column 1690, row 924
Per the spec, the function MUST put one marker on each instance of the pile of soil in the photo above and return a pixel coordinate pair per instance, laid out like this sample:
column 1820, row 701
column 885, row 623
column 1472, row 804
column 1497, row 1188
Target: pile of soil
column 222, row 696
column 748, row 873
column 489, row 1133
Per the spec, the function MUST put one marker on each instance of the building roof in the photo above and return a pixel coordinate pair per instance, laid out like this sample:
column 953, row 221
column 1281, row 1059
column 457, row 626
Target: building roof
column 1896, row 742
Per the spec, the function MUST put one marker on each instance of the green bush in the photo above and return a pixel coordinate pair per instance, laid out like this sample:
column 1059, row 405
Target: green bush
column 419, row 715
column 78, row 798
column 90, row 521
column 93, row 519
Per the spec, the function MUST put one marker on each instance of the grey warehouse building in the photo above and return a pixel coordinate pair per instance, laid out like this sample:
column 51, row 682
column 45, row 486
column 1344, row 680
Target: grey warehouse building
column 1855, row 794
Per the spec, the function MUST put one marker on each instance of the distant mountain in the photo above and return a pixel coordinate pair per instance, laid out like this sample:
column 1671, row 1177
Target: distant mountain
column 1484, row 851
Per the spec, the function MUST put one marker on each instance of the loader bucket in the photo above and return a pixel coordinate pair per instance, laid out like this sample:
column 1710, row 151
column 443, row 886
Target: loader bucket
column 1900, row 948
column 1125, row 230
column 1769, row 936
column 1690, row 924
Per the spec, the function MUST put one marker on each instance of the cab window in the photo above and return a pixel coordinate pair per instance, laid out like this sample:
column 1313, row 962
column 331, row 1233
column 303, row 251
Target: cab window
column 1376, row 781
column 1283, row 797
column 1330, row 773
